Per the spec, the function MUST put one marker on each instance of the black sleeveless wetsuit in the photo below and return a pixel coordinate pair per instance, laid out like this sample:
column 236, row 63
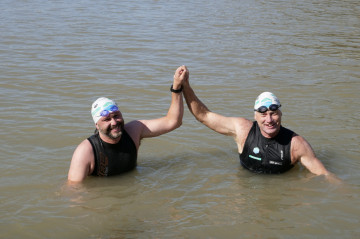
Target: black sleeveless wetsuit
column 264, row 155
column 112, row 159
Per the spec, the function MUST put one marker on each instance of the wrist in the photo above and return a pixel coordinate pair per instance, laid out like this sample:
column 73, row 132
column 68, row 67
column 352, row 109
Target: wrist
column 177, row 89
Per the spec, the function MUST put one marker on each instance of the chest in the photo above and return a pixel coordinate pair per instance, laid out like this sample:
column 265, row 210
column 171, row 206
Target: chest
column 271, row 153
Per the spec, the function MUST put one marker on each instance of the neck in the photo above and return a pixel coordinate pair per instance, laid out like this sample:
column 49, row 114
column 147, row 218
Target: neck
column 269, row 136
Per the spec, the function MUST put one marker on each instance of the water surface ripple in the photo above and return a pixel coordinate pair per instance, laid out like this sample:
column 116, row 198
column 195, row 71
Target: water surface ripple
column 59, row 56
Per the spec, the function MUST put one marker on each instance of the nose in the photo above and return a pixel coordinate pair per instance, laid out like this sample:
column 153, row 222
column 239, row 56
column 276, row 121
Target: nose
column 269, row 118
column 113, row 121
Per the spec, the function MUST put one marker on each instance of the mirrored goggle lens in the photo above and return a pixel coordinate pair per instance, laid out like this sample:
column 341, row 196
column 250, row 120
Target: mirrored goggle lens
column 272, row 107
column 107, row 111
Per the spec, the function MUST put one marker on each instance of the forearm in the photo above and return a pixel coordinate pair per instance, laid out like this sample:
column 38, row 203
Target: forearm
column 196, row 107
column 176, row 110
column 173, row 118
column 317, row 168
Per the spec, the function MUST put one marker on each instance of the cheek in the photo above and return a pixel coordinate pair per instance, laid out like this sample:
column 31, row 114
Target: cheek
column 102, row 126
column 257, row 117
column 259, row 120
column 278, row 119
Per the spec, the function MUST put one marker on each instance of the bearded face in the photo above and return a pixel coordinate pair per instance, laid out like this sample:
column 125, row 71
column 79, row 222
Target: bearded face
column 111, row 126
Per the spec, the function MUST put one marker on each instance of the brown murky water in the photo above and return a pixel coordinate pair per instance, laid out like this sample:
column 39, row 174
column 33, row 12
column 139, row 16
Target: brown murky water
column 58, row 56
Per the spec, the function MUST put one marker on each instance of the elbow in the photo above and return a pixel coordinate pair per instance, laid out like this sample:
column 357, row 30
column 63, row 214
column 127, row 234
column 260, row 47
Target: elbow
column 175, row 124
column 75, row 177
column 201, row 119
column 72, row 180
column 178, row 124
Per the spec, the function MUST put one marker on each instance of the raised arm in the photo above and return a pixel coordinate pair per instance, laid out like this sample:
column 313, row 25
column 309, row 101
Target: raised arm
column 231, row 126
column 139, row 129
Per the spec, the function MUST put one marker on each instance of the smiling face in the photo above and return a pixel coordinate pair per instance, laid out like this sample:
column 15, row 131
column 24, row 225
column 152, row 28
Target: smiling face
column 111, row 127
column 269, row 122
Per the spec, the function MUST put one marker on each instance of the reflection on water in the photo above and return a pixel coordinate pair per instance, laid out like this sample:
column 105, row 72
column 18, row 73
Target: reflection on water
column 58, row 57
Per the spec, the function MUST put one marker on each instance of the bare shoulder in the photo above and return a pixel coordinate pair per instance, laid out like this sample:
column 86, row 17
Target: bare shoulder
column 134, row 129
column 298, row 142
column 83, row 154
column 82, row 162
column 302, row 151
column 230, row 126
column 243, row 126
column 300, row 147
column 84, row 148
column 244, row 123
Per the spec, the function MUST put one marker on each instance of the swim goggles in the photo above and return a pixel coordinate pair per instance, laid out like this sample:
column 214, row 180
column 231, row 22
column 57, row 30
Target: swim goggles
column 106, row 112
column 263, row 109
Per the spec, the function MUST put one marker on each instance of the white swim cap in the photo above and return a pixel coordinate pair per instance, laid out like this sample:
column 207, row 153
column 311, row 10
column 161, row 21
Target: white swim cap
column 102, row 105
column 266, row 99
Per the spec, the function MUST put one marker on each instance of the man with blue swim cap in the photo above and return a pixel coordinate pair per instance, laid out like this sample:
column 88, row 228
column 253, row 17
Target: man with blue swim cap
column 264, row 145
column 113, row 148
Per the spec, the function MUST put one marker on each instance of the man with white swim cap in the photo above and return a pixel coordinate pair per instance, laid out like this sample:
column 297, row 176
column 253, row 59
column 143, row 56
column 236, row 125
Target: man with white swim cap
column 264, row 145
column 114, row 146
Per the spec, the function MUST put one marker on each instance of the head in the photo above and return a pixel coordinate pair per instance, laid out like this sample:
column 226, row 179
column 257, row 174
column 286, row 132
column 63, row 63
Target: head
column 268, row 114
column 107, row 118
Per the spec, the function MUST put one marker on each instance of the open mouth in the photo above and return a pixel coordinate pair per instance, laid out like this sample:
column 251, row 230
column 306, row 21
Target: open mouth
column 116, row 128
column 270, row 126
